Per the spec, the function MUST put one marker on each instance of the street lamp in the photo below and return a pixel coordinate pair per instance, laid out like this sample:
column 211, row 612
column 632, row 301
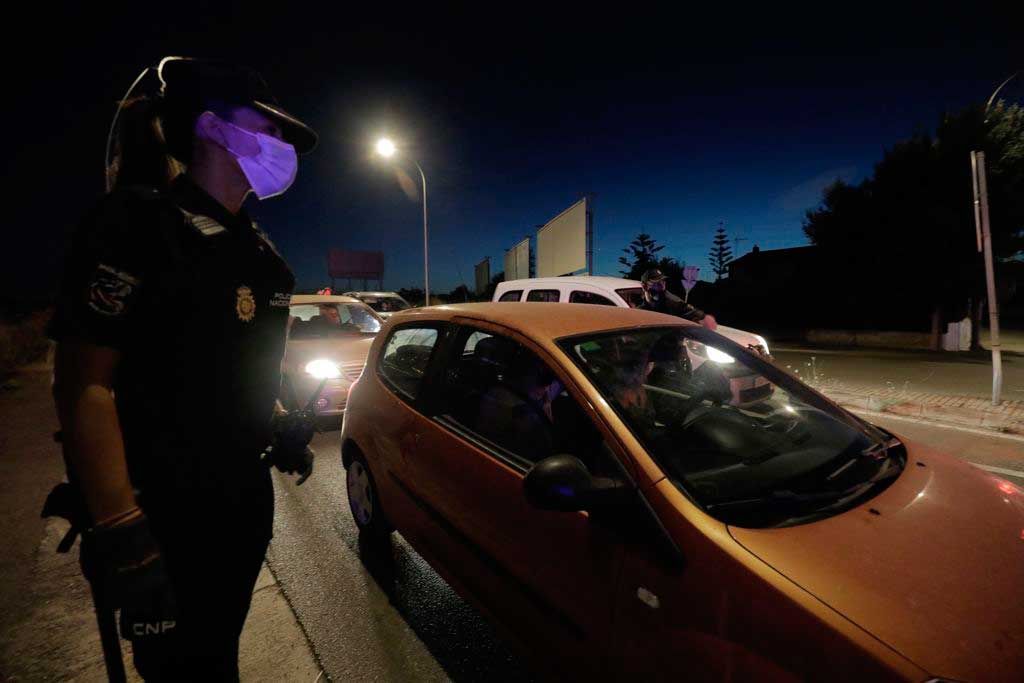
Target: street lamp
column 387, row 149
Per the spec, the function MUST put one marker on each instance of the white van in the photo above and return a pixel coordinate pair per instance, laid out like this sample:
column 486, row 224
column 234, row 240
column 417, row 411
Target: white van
column 615, row 291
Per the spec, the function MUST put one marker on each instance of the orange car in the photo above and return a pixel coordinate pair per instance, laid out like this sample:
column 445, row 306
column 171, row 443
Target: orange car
column 600, row 497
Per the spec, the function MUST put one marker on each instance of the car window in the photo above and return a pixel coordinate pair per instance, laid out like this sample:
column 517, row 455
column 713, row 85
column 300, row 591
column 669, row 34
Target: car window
column 503, row 392
column 542, row 295
column 578, row 297
column 633, row 296
column 741, row 437
column 318, row 321
column 512, row 295
column 385, row 304
column 405, row 358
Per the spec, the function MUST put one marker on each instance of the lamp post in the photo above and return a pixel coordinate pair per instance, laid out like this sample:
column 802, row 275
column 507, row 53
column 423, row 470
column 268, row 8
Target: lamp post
column 984, row 234
column 386, row 148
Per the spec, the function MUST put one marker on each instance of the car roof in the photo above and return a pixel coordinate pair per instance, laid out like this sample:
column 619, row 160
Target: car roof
column 544, row 320
column 602, row 281
column 298, row 299
column 395, row 294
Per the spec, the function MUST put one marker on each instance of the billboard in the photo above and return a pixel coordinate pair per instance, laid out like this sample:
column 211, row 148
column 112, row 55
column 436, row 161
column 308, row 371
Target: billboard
column 517, row 261
column 482, row 271
column 343, row 263
column 562, row 244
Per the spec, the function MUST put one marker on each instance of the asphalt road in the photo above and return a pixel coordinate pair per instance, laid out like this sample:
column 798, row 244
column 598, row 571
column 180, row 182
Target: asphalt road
column 384, row 621
column 404, row 622
column 376, row 621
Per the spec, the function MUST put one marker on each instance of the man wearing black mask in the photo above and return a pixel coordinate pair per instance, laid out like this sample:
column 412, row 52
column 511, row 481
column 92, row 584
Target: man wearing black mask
column 656, row 298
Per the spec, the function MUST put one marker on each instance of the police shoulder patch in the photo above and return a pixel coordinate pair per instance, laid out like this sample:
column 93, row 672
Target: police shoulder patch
column 110, row 289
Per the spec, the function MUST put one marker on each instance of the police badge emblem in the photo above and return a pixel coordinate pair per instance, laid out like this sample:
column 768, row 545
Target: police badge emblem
column 245, row 305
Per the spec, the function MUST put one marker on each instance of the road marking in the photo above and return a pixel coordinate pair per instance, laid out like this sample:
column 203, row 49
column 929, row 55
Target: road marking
column 933, row 423
column 1000, row 470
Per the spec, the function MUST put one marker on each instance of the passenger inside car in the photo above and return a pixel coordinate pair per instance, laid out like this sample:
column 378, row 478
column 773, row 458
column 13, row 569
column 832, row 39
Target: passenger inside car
column 505, row 393
column 516, row 410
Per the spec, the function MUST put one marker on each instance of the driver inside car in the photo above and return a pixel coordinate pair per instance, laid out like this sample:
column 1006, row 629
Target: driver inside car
column 516, row 411
column 628, row 377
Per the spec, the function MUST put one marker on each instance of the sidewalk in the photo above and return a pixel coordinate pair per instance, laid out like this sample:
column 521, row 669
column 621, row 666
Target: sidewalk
column 47, row 628
column 953, row 388
column 1008, row 417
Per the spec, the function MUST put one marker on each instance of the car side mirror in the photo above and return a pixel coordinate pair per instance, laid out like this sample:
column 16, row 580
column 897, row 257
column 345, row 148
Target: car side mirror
column 563, row 483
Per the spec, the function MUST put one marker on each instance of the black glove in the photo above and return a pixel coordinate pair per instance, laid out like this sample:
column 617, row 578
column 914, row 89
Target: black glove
column 122, row 561
column 290, row 452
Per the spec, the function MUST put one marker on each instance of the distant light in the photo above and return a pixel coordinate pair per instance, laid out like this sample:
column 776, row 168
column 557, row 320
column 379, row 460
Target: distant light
column 385, row 147
column 1007, row 488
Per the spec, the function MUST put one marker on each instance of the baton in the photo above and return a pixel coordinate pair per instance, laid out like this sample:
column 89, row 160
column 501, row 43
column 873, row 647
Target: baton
column 110, row 640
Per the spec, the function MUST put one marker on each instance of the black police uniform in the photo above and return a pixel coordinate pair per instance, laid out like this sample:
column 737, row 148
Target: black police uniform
column 196, row 300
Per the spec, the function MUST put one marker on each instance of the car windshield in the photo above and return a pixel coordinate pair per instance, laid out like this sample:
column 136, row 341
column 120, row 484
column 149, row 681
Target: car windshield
column 317, row 321
column 634, row 296
column 742, row 438
column 385, row 304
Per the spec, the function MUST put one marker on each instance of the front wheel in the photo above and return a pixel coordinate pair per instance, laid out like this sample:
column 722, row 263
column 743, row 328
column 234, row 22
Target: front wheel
column 364, row 501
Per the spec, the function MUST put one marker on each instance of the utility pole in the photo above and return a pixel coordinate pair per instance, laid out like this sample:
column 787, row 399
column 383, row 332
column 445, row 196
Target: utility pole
column 736, row 244
column 984, row 234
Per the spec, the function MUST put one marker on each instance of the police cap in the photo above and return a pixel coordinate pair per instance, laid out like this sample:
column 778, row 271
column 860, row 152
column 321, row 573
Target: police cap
column 188, row 85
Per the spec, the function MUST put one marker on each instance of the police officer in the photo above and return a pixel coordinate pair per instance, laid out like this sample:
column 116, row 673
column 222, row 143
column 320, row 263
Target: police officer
column 656, row 299
column 171, row 327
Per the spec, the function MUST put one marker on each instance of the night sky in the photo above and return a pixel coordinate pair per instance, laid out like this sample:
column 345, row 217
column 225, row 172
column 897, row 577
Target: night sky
column 673, row 121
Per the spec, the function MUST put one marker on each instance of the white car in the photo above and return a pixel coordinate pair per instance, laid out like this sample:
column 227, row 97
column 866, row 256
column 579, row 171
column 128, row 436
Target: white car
column 383, row 303
column 615, row 291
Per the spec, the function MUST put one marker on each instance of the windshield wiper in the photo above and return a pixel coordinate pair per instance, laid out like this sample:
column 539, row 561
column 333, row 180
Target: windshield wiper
column 787, row 496
column 782, row 496
column 876, row 451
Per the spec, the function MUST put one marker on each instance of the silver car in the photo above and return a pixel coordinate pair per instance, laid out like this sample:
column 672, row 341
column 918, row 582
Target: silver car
column 384, row 303
column 328, row 339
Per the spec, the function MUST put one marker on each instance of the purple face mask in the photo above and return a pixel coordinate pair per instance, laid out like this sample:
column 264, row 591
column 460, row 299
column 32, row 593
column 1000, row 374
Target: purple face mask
column 272, row 166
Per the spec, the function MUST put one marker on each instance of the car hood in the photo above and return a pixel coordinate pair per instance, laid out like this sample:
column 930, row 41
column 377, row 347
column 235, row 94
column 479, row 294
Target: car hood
column 741, row 337
column 933, row 566
column 347, row 351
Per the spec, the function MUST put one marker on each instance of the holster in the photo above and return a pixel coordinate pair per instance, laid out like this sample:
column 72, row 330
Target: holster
column 66, row 501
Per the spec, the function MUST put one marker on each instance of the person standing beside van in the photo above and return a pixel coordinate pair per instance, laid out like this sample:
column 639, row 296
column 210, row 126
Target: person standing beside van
column 656, row 299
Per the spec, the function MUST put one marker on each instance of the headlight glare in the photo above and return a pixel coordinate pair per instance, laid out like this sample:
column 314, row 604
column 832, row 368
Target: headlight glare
column 719, row 357
column 321, row 368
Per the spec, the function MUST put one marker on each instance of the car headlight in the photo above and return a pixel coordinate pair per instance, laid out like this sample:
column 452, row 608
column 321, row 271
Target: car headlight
column 764, row 344
column 321, row 368
column 719, row 357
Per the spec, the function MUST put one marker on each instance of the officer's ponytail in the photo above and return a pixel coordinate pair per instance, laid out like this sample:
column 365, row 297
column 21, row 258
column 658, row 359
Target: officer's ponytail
column 141, row 154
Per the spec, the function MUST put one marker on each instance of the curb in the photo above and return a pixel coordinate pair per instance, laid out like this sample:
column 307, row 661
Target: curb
column 1006, row 418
